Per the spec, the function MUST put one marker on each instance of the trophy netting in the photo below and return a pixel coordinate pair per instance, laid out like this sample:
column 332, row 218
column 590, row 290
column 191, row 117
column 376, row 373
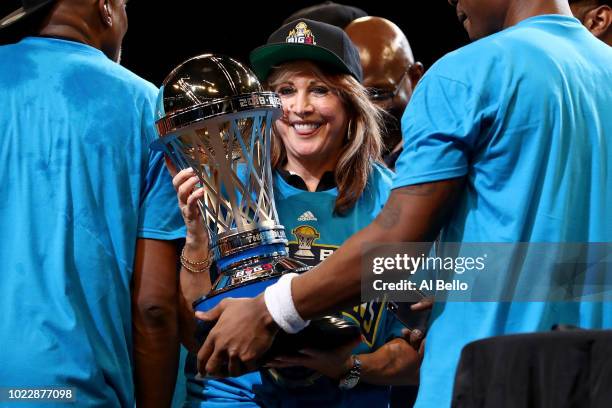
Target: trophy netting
column 231, row 157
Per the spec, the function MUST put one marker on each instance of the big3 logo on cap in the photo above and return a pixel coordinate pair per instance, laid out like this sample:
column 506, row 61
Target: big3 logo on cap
column 301, row 34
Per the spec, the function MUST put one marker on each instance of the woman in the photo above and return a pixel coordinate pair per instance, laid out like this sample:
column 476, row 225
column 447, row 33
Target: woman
column 328, row 184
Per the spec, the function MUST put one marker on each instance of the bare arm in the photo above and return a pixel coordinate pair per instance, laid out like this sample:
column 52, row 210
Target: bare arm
column 196, row 282
column 154, row 321
column 395, row 363
column 192, row 287
column 412, row 214
column 245, row 329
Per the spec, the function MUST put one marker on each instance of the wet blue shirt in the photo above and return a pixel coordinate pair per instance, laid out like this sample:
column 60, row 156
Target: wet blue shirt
column 79, row 186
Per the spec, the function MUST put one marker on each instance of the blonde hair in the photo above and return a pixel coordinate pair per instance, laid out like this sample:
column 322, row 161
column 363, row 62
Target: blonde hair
column 363, row 144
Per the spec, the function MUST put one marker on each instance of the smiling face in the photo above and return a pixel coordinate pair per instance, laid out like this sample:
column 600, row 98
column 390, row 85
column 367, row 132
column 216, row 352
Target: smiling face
column 314, row 124
column 481, row 18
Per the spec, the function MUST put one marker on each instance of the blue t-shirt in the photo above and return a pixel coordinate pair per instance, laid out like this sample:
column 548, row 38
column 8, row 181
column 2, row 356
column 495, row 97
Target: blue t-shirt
column 314, row 233
column 524, row 115
column 80, row 185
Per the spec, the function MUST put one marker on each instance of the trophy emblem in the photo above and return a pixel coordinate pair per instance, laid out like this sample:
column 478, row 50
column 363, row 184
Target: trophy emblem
column 214, row 116
column 306, row 236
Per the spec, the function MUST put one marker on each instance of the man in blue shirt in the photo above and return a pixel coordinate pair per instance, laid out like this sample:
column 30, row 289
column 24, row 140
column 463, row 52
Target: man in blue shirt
column 512, row 134
column 87, row 214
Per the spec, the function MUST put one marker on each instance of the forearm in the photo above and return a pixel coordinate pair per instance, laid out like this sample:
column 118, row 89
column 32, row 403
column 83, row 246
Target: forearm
column 195, row 280
column 395, row 363
column 412, row 214
column 156, row 356
column 192, row 287
column 187, row 325
column 155, row 322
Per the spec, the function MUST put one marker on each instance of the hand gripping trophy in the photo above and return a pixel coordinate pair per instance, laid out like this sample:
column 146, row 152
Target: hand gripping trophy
column 214, row 117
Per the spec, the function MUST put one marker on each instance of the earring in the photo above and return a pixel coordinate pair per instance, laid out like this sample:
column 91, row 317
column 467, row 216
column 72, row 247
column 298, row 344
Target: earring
column 109, row 20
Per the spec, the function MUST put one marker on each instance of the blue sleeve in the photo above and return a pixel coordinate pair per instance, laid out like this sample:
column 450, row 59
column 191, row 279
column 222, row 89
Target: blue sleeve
column 440, row 126
column 160, row 217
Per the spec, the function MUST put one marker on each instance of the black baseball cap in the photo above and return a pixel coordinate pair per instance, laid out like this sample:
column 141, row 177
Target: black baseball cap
column 310, row 40
column 329, row 12
column 17, row 10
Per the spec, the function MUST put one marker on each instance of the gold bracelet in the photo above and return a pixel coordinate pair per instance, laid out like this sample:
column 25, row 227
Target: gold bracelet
column 191, row 265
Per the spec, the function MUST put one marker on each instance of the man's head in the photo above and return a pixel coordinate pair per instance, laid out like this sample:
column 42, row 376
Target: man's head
column 113, row 26
column 596, row 16
column 481, row 18
column 389, row 70
column 99, row 23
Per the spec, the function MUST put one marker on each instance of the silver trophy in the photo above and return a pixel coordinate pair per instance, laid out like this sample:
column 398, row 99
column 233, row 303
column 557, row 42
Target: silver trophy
column 214, row 117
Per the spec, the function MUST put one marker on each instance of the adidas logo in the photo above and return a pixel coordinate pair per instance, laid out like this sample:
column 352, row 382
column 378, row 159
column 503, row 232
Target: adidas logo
column 307, row 216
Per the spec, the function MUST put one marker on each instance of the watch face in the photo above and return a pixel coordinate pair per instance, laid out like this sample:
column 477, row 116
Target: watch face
column 352, row 377
column 350, row 382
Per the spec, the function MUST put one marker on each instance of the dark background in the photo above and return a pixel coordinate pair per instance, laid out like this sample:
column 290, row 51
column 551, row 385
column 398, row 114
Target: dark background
column 163, row 34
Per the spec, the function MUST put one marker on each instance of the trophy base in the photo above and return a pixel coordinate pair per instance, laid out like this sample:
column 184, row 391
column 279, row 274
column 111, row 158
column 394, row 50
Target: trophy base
column 326, row 333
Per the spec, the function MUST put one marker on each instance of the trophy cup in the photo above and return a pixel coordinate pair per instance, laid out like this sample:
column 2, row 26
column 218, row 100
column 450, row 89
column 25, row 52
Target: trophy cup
column 214, row 117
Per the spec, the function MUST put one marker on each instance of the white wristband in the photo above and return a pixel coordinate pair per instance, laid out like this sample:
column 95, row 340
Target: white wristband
column 280, row 305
